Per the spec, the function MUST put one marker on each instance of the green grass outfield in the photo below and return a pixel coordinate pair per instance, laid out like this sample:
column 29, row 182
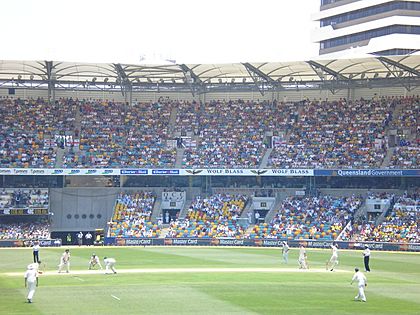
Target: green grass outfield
column 209, row 280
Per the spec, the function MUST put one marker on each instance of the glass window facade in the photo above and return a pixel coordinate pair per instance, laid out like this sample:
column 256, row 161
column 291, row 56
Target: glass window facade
column 374, row 10
column 395, row 52
column 326, row 2
column 358, row 37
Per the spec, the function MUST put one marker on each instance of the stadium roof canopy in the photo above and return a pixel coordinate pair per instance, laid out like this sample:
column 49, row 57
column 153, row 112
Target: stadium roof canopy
column 334, row 75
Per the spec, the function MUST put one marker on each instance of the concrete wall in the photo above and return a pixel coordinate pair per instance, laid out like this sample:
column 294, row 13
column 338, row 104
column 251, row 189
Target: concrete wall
column 81, row 202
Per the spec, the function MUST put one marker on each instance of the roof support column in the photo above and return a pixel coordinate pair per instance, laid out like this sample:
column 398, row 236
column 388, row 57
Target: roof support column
column 191, row 79
column 125, row 84
column 50, row 80
column 261, row 80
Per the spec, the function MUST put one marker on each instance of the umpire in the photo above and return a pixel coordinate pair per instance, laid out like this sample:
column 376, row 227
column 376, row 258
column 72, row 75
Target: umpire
column 35, row 252
column 366, row 257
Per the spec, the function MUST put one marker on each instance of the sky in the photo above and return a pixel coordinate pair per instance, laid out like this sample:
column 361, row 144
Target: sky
column 138, row 31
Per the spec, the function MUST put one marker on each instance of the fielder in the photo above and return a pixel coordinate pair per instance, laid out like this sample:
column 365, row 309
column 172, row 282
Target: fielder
column 333, row 262
column 285, row 252
column 303, row 259
column 64, row 261
column 31, row 280
column 361, row 282
column 109, row 264
column 94, row 260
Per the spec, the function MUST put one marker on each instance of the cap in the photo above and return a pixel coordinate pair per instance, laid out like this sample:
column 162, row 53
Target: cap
column 33, row 266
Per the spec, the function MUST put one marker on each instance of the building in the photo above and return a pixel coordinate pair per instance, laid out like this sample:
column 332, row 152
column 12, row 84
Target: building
column 350, row 28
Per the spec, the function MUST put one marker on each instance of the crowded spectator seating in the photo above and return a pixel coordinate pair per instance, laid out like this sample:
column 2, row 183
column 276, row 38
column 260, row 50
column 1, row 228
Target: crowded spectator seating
column 321, row 218
column 132, row 216
column 406, row 157
column 408, row 114
column 38, row 229
column 215, row 216
column 229, row 134
column 24, row 198
column 118, row 135
column 406, row 124
column 29, row 129
column 222, row 134
column 187, row 118
column 336, row 134
column 401, row 225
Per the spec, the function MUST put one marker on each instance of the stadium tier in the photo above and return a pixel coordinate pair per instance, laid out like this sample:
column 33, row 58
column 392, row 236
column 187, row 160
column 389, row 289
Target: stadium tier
column 222, row 215
column 321, row 218
column 24, row 213
column 215, row 134
column 25, row 230
column 401, row 223
column 211, row 217
column 132, row 214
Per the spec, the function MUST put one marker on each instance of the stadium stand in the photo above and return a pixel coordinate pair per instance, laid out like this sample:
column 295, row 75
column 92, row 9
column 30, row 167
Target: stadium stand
column 231, row 134
column 401, row 225
column 132, row 214
column 320, row 217
column 115, row 135
column 37, row 229
column 23, row 198
column 213, row 216
column 24, row 201
column 336, row 134
column 29, row 130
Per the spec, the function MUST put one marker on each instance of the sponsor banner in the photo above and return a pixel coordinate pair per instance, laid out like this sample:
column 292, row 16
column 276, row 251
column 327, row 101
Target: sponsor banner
column 212, row 172
column 134, row 172
column 158, row 172
column 249, row 172
column 368, row 173
column 61, row 171
column 413, row 247
column 165, row 172
column 12, row 243
column 6, row 171
column 28, row 243
column 22, row 171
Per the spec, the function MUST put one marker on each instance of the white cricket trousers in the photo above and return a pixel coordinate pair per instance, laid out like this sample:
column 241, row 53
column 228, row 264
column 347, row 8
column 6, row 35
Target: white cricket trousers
column 62, row 264
column 110, row 266
column 31, row 289
column 302, row 263
column 361, row 294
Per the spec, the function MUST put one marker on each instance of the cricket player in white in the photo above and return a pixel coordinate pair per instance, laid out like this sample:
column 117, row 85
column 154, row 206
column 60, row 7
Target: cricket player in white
column 94, row 260
column 361, row 282
column 333, row 262
column 109, row 264
column 31, row 280
column 64, row 261
column 302, row 258
column 285, row 252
